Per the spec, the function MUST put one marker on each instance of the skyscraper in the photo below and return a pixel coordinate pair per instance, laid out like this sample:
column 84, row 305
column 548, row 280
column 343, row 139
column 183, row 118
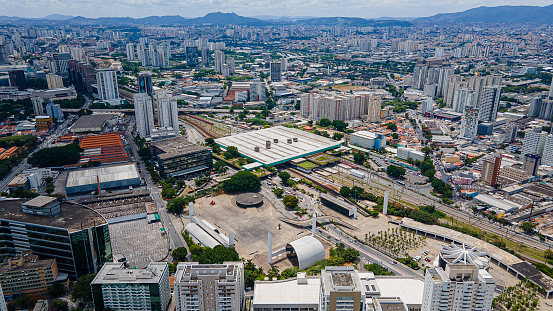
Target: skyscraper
column 3, row 306
column 374, row 107
column 107, row 84
column 490, row 171
column 275, row 70
column 209, row 287
column 145, row 83
column 547, row 155
column 59, row 64
column 257, row 90
column 531, row 162
column 3, row 54
column 488, row 103
column 168, row 112
column 219, row 60
column 469, row 123
column 17, row 79
column 118, row 288
column 54, row 81
column 131, row 52
column 54, row 111
column 37, row 106
column 144, row 110
column 205, row 57
column 192, row 56
column 534, row 142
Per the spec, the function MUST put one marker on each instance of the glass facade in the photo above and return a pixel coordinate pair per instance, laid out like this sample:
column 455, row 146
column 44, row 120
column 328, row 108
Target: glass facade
column 91, row 249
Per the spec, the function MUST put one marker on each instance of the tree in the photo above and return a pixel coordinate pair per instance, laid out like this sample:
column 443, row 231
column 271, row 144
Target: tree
column 359, row 158
column 377, row 269
column 242, row 181
column 337, row 136
column 216, row 255
column 220, row 166
column 339, row 125
column 179, row 253
column 56, row 290
column 231, row 153
column 391, row 126
column 325, row 122
column 56, row 156
column 290, row 201
column 426, row 150
column 284, row 176
column 278, row 192
column 395, row 135
column 176, row 205
column 59, row 305
column 345, row 191
column 81, row 290
column 548, row 254
column 395, row 171
column 528, row 227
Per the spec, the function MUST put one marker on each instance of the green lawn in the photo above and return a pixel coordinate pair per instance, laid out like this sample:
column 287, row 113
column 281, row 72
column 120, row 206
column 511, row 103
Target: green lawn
column 308, row 165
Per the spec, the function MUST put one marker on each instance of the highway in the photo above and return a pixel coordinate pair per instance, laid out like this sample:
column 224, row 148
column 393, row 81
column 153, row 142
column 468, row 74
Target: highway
column 181, row 110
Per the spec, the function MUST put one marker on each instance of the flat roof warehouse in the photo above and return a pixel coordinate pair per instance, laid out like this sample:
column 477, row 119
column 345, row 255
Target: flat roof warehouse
column 277, row 144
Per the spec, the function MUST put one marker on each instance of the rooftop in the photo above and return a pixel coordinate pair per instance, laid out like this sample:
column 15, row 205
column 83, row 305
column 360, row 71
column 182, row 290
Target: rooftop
column 409, row 290
column 287, row 293
column 40, row 201
column 113, row 273
column 285, row 144
column 464, row 254
column 91, row 121
column 176, row 146
column 104, row 174
column 72, row 217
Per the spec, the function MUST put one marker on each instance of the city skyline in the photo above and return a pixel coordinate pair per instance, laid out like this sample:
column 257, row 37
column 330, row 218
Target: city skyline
column 288, row 8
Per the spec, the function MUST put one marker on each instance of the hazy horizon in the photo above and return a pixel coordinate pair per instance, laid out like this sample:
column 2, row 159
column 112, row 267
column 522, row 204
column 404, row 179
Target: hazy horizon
column 292, row 8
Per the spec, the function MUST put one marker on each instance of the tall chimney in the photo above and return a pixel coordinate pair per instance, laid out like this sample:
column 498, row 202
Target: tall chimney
column 270, row 254
column 314, row 225
column 385, row 206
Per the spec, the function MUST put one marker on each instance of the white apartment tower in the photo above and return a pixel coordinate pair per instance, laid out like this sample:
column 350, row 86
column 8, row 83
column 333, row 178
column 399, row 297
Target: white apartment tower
column 488, row 103
column 130, row 52
column 334, row 106
column 118, row 288
column 38, row 106
column 219, row 60
column 3, row 306
column 257, row 91
column 374, row 105
column 276, row 71
column 209, row 287
column 107, row 84
column 533, row 143
column 54, row 81
column 144, row 110
column 168, row 112
column 469, row 123
column 547, row 156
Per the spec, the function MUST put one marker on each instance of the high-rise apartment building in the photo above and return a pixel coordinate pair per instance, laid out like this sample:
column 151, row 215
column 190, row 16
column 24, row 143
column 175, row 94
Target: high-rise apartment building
column 490, row 171
column 3, row 54
column 459, row 283
column 59, row 63
column 118, row 288
column 547, row 155
column 107, row 84
column 510, row 134
column 275, row 71
column 17, row 79
column 144, row 110
column 488, row 103
column 257, row 91
column 334, row 106
column 192, row 56
column 82, row 75
column 463, row 97
column 209, row 287
column 54, row 81
column 534, row 142
column 38, row 106
column 341, row 289
column 469, row 123
column 531, row 162
column 205, row 57
column 219, row 60
column 131, row 54
column 3, row 306
column 427, row 105
column 54, row 111
column 168, row 112
column 145, row 84
column 374, row 105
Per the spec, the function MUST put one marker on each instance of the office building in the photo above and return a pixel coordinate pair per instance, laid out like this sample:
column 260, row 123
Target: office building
column 38, row 107
column 131, row 52
column 3, row 54
column 54, row 111
column 531, row 163
column 219, row 60
column 59, row 64
column 217, row 287
column 368, row 140
column 118, row 288
column 144, row 110
column 510, row 133
column 459, row 283
column 534, row 142
column 205, row 57
column 374, row 106
column 409, row 153
column 54, row 81
column 275, row 71
column 43, row 122
column 490, row 171
column 17, row 79
column 77, row 237
column 427, row 106
column 177, row 157
column 168, row 112
column 257, row 91
column 107, row 84
column 488, row 103
column 82, row 75
column 547, row 155
column 25, row 273
column 469, row 123
column 192, row 56
column 145, row 83
column 341, row 289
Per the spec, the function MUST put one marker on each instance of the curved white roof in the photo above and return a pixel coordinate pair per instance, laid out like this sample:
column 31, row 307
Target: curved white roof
column 199, row 234
column 309, row 250
column 463, row 254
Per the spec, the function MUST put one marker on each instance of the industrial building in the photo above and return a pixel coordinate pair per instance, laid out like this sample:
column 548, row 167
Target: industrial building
column 368, row 140
column 25, row 273
column 406, row 153
column 77, row 237
column 102, row 178
column 277, row 145
column 149, row 288
column 177, row 157
column 105, row 148
column 93, row 123
column 209, row 287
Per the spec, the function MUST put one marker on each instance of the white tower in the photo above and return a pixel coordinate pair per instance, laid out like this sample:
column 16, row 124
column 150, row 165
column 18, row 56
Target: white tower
column 191, row 211
column 270, row 254
column 314, row 225
column 385, row 206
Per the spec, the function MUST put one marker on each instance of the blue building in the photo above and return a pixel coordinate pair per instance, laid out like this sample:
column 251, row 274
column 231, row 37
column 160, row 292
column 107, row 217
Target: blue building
column 54, row 111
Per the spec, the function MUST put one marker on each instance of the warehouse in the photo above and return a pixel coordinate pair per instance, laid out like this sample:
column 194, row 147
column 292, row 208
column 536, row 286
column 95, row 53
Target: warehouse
column 108, row 177
column 368, row 140
column 276, row 145
column 93, row 123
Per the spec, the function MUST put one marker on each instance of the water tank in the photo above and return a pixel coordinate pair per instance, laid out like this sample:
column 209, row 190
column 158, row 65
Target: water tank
column 256, row 148
column 275, row 140
column 295, row 139
column 268, row 144
column 289, row 140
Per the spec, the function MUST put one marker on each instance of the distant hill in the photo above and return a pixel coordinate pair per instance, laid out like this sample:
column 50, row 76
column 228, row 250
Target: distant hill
column 500, row 14
column 351, row 21
column 58, row 17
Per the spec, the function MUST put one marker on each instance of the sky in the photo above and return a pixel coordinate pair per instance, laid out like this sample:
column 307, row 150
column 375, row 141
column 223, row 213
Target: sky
column 195, row 8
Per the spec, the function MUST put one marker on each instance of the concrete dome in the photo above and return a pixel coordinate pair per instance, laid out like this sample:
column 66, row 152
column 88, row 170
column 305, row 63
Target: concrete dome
column 463, row 254
column 307, row 251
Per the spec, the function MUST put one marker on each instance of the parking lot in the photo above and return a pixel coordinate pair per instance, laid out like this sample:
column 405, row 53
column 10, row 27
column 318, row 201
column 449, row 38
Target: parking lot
column 138, row 241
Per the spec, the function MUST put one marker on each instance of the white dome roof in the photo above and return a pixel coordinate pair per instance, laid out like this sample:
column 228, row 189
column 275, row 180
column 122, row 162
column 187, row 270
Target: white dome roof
column 454, row 254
